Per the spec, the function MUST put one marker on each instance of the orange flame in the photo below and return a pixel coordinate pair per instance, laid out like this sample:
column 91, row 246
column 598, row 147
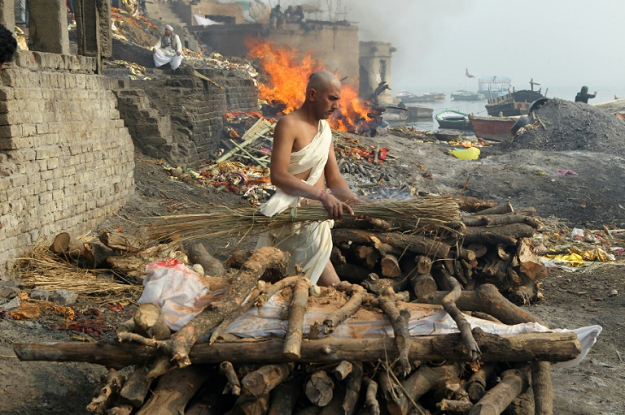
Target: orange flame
column 287, row 73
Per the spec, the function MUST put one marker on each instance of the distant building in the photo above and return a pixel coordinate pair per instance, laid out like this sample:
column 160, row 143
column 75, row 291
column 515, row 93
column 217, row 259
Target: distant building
column 375, row 67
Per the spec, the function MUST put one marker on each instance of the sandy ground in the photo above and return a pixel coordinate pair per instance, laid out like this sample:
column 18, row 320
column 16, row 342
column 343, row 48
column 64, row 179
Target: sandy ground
column 525, row 177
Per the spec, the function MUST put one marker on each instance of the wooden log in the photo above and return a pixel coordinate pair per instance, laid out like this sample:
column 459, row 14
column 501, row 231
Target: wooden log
column 265, row 379
column 160, row 366
column 256, row 406
column 208, row 401
column 498, row 210
column 479, row 249
column 371, row 400
column 242, row 284
column 529, row 263
column 137, row 386
column 466, row 254
column 352, row 391
column 127, row 326
column 199, row 255
column 335, row 406
column 311, row 410
column 238, row 258
column 449, row 304
column 111, row 385
column 390, row 266
column 97, row 254
column 257, row 298
column 449, row 405
column 233, row 386
column 150, row 322
column 285, row 397
column 476, row 386
column 174, row 390
column 473, row 204
column 522, row 405
column 412, row 243
column 319, row 388
column 399, row 321
column 120, row 242
column 295, row 330
column 507, row 235
column 343, row 370
column 554, row 347
column 65, row 247
column 420, row 383
column 543, row 388
column 366, row 256
column 496, row 220
column 391, row 391
column 333, row 319
column 513, row 383
column 489, row 300
column 422, row 285
column 337, row 258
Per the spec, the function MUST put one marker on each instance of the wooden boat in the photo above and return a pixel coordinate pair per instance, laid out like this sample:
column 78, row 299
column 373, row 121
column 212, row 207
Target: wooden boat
column 492, row 128
column 393, row 113
column 454, row 120
column 466, row 96
column 515, row 103
column 409, row 97
column 418, row 112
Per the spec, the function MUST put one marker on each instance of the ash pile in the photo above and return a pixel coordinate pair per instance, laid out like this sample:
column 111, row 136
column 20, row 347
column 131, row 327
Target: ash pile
column 560, row 125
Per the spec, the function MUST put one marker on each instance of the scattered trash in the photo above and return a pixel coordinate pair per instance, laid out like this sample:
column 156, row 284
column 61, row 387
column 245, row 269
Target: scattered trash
column 566, row 173
column 471, row 153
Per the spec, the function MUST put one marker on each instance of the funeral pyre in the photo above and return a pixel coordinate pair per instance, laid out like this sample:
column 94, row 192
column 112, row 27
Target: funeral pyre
column 284, row 76
column 277, row 345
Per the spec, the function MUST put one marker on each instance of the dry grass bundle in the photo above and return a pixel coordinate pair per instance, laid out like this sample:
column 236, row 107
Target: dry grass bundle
column 431, row 211
column 41, row 268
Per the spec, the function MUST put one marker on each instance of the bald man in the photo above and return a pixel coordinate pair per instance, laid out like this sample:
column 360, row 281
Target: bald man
column 303, row 168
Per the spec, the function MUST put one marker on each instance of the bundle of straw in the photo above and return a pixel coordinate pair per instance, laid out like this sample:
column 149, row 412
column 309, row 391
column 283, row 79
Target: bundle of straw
column 223, row 221
column 40, row 268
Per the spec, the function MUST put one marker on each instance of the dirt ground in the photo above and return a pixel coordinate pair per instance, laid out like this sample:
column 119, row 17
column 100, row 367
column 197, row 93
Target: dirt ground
column 524, row 176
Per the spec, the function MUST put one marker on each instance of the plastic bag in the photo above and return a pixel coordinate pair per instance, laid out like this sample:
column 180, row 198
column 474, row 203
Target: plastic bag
column 177, row 289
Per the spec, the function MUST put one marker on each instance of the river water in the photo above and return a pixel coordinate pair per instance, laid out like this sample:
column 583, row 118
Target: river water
column 478, row 107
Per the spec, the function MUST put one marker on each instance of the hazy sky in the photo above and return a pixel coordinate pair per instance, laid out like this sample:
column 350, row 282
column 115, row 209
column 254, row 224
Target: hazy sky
column 559, row 43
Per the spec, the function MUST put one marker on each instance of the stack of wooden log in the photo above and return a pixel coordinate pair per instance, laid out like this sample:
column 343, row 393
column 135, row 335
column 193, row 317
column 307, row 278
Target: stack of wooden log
column 493, row 248
column 471, row 372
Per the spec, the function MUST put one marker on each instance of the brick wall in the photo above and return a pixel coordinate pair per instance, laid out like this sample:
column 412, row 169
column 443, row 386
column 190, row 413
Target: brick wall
column 66, row 159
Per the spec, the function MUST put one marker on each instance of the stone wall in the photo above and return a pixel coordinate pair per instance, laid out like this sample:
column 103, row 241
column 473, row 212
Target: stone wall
column 180, row 118
column 375, row 67
column 66, row 159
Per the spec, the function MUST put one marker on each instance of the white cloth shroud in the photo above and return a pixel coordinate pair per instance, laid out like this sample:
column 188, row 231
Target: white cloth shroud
column 182, row 294
column 310, row 245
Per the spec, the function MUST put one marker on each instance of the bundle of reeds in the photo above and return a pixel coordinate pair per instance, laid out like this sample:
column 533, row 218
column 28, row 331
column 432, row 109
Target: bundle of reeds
column 414, row 214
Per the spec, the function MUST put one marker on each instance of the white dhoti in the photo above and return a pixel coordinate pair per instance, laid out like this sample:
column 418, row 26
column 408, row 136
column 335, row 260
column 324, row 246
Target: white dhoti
column 162, row 58
column 310, row 245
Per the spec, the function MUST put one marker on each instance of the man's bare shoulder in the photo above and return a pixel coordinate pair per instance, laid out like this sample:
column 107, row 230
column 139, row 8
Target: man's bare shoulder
column 290, row 120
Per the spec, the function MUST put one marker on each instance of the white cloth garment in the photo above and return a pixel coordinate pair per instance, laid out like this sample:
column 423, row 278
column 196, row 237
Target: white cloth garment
column 167, row 49
column 310, row 244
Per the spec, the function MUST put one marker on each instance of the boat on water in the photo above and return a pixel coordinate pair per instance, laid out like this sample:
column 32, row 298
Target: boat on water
column 494, row 87
column 514, row 103
column 493, row 128
column 462, row 95
column 454, row 120
column 393, row 113
column 409, row 97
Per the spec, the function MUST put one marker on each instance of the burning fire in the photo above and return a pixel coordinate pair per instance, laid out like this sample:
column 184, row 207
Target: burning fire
column 287, row 75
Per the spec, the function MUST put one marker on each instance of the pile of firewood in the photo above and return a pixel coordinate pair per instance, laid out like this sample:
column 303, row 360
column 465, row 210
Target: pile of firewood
column 493, row 248
column 471, row 372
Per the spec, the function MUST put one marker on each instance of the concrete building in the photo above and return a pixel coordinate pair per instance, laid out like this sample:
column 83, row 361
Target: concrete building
column 375, row 67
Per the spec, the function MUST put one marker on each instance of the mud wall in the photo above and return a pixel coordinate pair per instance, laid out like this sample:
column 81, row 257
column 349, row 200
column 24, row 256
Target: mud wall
column 66, row 159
